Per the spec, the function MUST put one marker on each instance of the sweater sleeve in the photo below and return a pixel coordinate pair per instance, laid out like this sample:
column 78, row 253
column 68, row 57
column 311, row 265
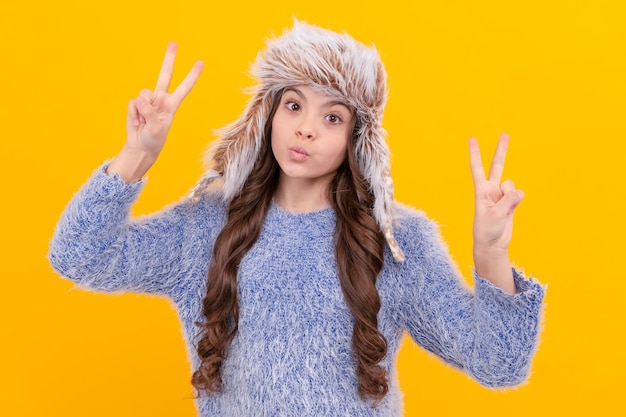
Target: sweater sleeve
column 489, row 334
column 98, row 246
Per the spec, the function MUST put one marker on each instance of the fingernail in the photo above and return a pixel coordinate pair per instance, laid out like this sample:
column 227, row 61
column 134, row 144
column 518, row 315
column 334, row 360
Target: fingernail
column 520, row 193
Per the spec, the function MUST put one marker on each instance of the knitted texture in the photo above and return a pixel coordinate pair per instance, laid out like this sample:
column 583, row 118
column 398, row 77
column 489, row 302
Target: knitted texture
column 292, row 353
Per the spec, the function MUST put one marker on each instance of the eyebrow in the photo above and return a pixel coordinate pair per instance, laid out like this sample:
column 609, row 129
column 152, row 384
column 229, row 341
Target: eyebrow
column 327, row 104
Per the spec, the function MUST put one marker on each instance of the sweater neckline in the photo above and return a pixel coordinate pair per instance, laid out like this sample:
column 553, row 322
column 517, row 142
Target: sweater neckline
column 312, row 213
column 314, row 223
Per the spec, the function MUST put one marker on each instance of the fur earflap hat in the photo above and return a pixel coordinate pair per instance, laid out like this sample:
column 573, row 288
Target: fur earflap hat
column 334, row 64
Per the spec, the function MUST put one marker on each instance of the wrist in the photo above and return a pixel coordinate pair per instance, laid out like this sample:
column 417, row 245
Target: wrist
column 494, row 265
column 490, row 253
column 131, row 164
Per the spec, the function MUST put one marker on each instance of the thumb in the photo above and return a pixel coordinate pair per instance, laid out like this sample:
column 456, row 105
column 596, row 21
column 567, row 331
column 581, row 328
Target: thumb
column 146, row 110
column 132, row 120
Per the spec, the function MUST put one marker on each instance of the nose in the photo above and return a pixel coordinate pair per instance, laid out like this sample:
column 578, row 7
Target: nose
column 305, row 130
column 302, row 134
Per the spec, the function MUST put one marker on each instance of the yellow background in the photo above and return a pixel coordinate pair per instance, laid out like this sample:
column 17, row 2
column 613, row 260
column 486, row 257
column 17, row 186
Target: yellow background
column 550, row 73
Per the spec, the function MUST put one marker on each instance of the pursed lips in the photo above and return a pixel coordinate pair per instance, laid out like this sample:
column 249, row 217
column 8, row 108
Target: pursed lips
column 298, row 153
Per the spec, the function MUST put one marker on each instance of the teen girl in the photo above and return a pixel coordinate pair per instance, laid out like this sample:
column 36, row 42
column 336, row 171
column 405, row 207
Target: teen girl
column 296, row 274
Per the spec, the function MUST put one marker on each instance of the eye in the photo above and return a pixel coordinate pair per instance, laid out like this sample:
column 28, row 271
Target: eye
column 334, row 118
column 292, row 105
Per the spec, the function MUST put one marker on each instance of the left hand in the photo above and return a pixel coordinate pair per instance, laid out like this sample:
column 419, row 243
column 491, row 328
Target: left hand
column 495, row 201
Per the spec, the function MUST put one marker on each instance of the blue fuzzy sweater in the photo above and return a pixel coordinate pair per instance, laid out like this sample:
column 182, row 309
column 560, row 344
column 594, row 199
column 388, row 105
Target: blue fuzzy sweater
column 292, row 353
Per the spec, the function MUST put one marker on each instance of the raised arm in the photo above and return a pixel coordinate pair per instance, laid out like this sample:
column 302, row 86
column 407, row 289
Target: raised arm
column 491, row 331
column 96, row 243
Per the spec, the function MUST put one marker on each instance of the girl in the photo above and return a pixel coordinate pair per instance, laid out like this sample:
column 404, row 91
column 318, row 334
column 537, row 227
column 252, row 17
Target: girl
column 296, row 276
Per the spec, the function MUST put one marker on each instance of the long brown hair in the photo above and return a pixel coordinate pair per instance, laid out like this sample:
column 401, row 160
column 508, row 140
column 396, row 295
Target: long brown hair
column 359, row 247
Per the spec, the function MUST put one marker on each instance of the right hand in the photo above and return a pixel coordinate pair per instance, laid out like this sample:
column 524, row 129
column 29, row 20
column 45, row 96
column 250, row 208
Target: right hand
column 150, row 117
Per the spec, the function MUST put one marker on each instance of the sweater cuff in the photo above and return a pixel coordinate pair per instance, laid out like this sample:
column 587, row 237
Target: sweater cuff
column 112, row 187
column 530, row 293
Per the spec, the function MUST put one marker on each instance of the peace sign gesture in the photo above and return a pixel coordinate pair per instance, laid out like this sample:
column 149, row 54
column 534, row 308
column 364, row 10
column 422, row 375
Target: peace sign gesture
column 495, row 201
column 150, row 117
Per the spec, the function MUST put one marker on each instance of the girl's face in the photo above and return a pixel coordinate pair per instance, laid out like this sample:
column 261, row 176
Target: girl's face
column 310, row 134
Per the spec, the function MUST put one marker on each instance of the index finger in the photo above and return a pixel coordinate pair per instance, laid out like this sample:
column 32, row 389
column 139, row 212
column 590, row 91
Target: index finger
column 167, row 67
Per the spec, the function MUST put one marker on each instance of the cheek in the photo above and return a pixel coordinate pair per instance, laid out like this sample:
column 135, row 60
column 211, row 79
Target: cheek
column 339, row 152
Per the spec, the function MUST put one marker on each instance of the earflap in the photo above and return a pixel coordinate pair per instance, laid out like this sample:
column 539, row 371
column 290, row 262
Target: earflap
column 373, row 157
column 232, row 157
